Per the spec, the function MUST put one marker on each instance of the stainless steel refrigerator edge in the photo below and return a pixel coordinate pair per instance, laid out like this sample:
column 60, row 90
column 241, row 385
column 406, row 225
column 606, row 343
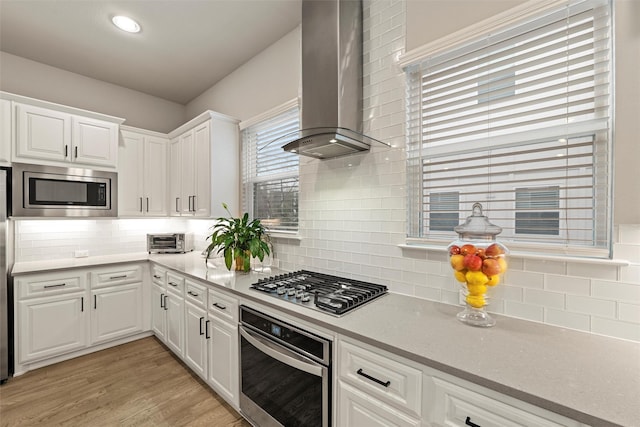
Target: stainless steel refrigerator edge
column 5, row 260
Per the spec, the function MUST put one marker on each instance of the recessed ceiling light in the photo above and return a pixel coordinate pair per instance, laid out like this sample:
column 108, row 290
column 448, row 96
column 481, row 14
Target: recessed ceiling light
column 126, row 24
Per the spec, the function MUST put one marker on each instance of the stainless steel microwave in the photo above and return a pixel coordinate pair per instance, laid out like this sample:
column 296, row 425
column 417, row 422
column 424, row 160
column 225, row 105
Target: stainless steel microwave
column 170, row 242
column 53, row 191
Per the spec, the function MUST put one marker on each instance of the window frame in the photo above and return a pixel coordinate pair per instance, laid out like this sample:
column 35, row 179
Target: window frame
column 505, row 20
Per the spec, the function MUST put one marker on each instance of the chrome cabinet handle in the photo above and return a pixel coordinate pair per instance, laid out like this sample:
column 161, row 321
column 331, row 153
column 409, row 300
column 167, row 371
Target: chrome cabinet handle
column 369, row 377
column 59, row 285
column 220, row 306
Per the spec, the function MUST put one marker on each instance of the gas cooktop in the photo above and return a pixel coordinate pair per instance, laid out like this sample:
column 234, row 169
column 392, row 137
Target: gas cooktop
column 331, row 294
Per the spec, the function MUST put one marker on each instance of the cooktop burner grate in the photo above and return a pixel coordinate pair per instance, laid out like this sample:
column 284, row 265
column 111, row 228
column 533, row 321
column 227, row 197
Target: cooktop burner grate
column 323, row 292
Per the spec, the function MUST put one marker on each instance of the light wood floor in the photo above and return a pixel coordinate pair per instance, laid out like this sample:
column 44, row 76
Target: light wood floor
column 136, row 384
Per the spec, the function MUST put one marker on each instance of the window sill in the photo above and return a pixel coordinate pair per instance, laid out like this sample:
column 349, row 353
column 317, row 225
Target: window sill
column 527, row 255
column 285, row 236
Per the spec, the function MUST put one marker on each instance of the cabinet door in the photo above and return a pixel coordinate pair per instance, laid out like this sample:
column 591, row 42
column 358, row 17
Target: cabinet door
column 356, row 409
column 116, row 312
column 175, row 178
column 42, row 133
column 175, row 322
column 5, row 131
column 202, row 185
column 51, row 326
column 223, row 358
column 130, row 175
column 95, row 142
column 187, row 165
column 155, row 176
column 195, row 342
column 158, row 312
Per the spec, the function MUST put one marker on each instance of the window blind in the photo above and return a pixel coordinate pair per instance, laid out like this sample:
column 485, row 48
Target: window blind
column 522, row 112
column 270, row 174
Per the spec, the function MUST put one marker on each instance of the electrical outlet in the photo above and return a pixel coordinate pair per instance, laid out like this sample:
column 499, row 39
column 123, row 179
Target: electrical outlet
column 81, row 253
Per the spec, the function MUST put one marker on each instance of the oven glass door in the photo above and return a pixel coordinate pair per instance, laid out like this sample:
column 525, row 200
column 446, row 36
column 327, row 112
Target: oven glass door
column 283, row 387
column 166, row 242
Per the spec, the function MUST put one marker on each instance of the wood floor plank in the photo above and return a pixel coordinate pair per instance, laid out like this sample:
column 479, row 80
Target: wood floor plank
column 136, row 384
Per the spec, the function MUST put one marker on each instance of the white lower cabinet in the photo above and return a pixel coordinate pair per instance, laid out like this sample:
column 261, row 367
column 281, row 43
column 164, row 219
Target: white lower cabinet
column 50, row 326
column 357, row 409
column 59, row 313
column 378, row 388
column 174, row 308
column 195, row 337
column 158, row 312
column 116, row 312
column 223, row 359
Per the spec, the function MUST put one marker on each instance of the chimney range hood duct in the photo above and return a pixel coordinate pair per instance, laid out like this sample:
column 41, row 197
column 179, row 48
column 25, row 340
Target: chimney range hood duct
column 331, row 123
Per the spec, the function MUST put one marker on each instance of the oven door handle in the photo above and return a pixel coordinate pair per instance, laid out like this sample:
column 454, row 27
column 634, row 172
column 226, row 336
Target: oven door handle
column 282, row 354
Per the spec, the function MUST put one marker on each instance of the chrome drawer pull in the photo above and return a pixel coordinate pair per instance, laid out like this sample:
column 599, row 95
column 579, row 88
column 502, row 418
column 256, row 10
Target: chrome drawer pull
column 369, row 377
column 55, row 286
column 221, row 307
column 118, row 277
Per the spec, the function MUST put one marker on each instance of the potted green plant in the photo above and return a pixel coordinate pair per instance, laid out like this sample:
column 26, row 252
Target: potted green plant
column 238, row 239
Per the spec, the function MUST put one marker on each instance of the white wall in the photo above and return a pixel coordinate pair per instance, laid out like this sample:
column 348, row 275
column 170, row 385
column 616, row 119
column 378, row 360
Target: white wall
column 267, row 80
column 36, row 80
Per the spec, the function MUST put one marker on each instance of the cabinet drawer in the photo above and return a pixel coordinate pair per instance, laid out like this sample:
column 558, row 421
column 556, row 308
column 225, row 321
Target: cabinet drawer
column 196, row 293
column 222, row 306
column 454, row 405
column 175, row 283
column 158, row 275
column 392, row 381
column 120, row 275
column 40, row 285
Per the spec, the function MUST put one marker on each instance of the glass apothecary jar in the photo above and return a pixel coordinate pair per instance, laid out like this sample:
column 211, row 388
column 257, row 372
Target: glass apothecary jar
column 478, row 262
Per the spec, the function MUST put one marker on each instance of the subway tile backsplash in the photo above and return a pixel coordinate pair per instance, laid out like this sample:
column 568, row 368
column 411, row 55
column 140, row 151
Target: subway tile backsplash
column 353, row 219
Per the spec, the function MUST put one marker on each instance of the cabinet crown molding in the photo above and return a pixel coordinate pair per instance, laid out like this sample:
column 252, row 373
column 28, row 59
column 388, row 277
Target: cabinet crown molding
column 201, row 119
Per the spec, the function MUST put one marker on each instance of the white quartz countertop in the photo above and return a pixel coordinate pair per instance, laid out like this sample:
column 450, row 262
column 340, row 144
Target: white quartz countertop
column 590, row 378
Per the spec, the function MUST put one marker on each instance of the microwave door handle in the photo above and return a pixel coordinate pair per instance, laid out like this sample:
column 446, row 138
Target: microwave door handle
column 282, row 354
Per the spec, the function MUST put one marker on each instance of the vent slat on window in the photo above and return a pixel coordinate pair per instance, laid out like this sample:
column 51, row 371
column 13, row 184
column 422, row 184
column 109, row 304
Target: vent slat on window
column 518, row 120
column 270, row 174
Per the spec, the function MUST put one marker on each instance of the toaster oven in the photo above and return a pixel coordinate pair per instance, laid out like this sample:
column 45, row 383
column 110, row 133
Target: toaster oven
column 169, row 242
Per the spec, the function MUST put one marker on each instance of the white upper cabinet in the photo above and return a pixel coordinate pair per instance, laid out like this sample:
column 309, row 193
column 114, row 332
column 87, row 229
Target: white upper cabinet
column 6, row 132
column 204, row 166
column 142, row 178
column 48, row 133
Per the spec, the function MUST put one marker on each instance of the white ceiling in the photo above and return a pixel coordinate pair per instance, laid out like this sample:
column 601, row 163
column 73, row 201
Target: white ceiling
column 185, row 46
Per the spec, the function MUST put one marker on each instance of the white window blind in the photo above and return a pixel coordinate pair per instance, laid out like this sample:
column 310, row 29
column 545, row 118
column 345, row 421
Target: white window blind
column 270, row 174
column 523, row 112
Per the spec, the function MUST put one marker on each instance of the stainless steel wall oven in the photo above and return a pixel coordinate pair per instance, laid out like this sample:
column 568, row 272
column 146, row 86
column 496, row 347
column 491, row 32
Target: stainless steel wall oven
column 285, row 373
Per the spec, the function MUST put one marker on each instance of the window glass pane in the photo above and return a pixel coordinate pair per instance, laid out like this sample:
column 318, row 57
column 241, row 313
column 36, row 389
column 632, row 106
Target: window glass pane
column 270, row 174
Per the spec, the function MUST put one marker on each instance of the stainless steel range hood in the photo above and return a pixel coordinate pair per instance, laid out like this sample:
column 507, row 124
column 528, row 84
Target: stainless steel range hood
column 331, row 111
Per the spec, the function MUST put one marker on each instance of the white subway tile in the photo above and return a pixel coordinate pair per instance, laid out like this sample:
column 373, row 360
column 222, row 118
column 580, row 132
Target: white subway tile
column 567, row 284
column 629, row 312
column 506, row 292
column 630, row 273
column 593, row 271
column 566, row 319
column 524, row 279
column 627, row 251
column 628, row 233
column 544, row 298
column 426, row 292
column 524, row 311
column 545, row 266
column 590, row 305
column 619, row 291
column 615, row 328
